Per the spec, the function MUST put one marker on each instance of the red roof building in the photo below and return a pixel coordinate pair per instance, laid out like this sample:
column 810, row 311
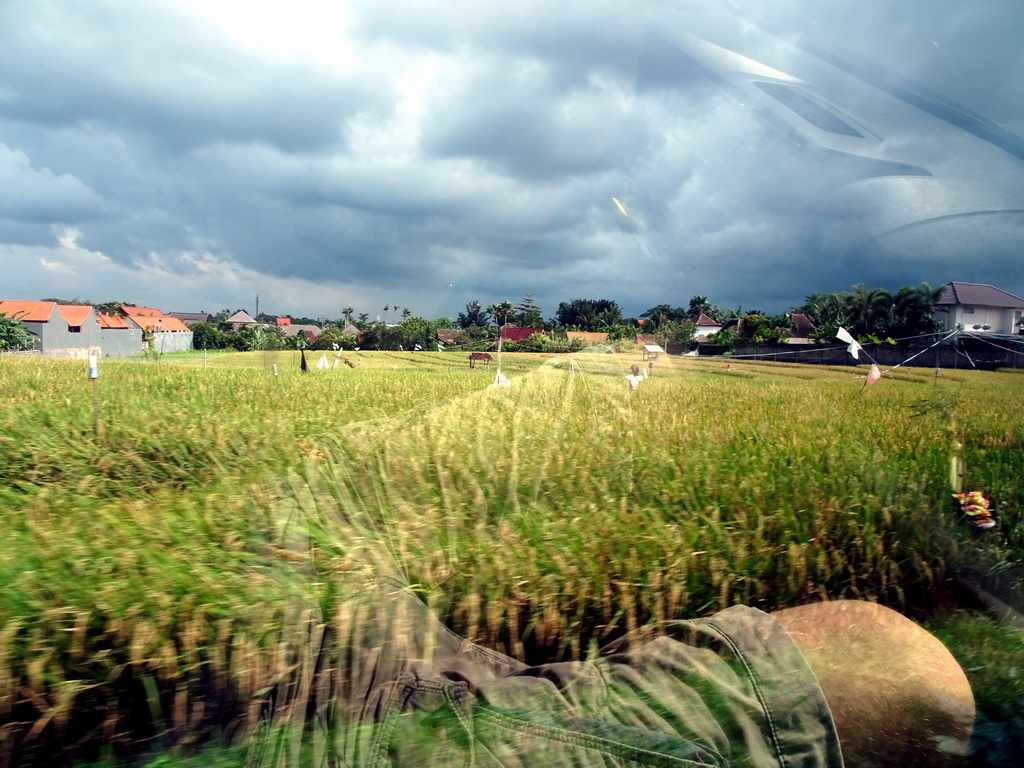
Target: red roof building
column 518, row 334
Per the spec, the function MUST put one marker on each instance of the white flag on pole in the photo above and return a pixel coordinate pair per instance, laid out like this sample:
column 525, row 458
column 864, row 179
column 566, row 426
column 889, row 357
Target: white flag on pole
column 322, row 363
column 854, row 348
column 501, row 381
column 873, row 374
column 440, row 347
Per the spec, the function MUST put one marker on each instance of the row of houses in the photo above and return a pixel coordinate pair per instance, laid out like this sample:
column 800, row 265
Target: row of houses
column 971, row 307
column 75, row 331
column 63, row 330
column 243, row 319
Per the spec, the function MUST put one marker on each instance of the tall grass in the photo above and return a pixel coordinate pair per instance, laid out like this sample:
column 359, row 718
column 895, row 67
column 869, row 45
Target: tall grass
column 181, row 572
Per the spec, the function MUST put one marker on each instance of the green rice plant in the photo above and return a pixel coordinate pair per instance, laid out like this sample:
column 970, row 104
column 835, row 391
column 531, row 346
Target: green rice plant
column 180, row 574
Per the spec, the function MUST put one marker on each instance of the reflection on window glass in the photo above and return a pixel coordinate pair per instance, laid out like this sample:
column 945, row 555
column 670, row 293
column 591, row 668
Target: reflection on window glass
column 810, row 110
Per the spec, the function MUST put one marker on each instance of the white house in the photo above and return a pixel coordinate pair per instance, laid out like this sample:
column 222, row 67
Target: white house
column 980, row 308
column 706, row 327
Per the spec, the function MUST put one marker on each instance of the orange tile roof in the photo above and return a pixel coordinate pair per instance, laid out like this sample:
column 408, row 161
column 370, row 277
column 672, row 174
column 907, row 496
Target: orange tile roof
column 32, row 311
column 172, row 324
column 166, row 323
column 111, row 321
column 74, row 314
column 134, row 312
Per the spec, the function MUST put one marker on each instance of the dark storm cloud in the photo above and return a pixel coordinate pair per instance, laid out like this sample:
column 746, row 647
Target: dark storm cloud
column 438, row 154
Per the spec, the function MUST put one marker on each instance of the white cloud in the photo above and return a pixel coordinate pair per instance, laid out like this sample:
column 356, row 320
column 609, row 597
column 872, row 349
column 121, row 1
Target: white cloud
column 362, row 152
column 39, row 194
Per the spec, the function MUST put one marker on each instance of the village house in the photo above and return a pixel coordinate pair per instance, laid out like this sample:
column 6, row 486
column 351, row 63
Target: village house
column 241, row 319
column 190, row 318
column 979, row 308
column 72, row 331
column 312, row 332
column 590, row 338
column 508, row 333
column 705, row 327
column 160, row 332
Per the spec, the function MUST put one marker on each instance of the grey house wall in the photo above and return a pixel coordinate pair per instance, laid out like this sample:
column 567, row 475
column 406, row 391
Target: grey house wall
column 172, row 341
column 37, row 331
column 53, row 337
column 57, row 335
column 120, row 342
column 54, row 334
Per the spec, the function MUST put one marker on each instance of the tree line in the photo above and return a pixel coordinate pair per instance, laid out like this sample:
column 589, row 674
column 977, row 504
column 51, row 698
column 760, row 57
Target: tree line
column 870, row 314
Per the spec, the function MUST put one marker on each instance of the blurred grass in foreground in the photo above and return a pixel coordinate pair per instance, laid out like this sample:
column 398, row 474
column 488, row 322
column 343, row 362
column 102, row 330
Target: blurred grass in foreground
column 168, row 580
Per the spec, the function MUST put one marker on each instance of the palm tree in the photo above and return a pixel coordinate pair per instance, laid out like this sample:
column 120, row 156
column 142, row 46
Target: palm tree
column 870, row 311
column 502, row 312
column 914, row 309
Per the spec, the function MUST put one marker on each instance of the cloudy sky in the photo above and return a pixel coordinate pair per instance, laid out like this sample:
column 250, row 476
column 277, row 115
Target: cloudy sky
column 192, row 154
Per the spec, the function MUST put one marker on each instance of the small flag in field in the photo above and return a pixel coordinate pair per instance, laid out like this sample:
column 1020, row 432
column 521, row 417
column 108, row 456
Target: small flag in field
column 854, row 348
column 274, row 366
column 440, row 347
column 873, row 374
column 322, row 363
column 417, row 348
column 501, row 381
column 94, row 371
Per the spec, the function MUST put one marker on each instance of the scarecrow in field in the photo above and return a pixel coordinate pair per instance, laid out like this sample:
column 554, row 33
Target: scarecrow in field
column 634, row 378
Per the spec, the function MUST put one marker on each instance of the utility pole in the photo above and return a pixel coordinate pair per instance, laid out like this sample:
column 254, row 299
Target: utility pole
column 257, row 307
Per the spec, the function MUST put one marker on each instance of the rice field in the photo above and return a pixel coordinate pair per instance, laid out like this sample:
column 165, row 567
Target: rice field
column 177, row 548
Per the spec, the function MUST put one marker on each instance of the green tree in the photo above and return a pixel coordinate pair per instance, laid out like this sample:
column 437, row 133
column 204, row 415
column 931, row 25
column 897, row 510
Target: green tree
column 759, row 329
column 592, row 315
column 655, row 317
column 869, row 311
column 678, row 331
column 503, row 313
column 723, row 338
column 698, row 305
column 418, row 331
column 244, row 340
column 474, row 320
column 528, row 314
column 913, row 311
column 111, row 307
column 14, row 335
column 206, row 336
